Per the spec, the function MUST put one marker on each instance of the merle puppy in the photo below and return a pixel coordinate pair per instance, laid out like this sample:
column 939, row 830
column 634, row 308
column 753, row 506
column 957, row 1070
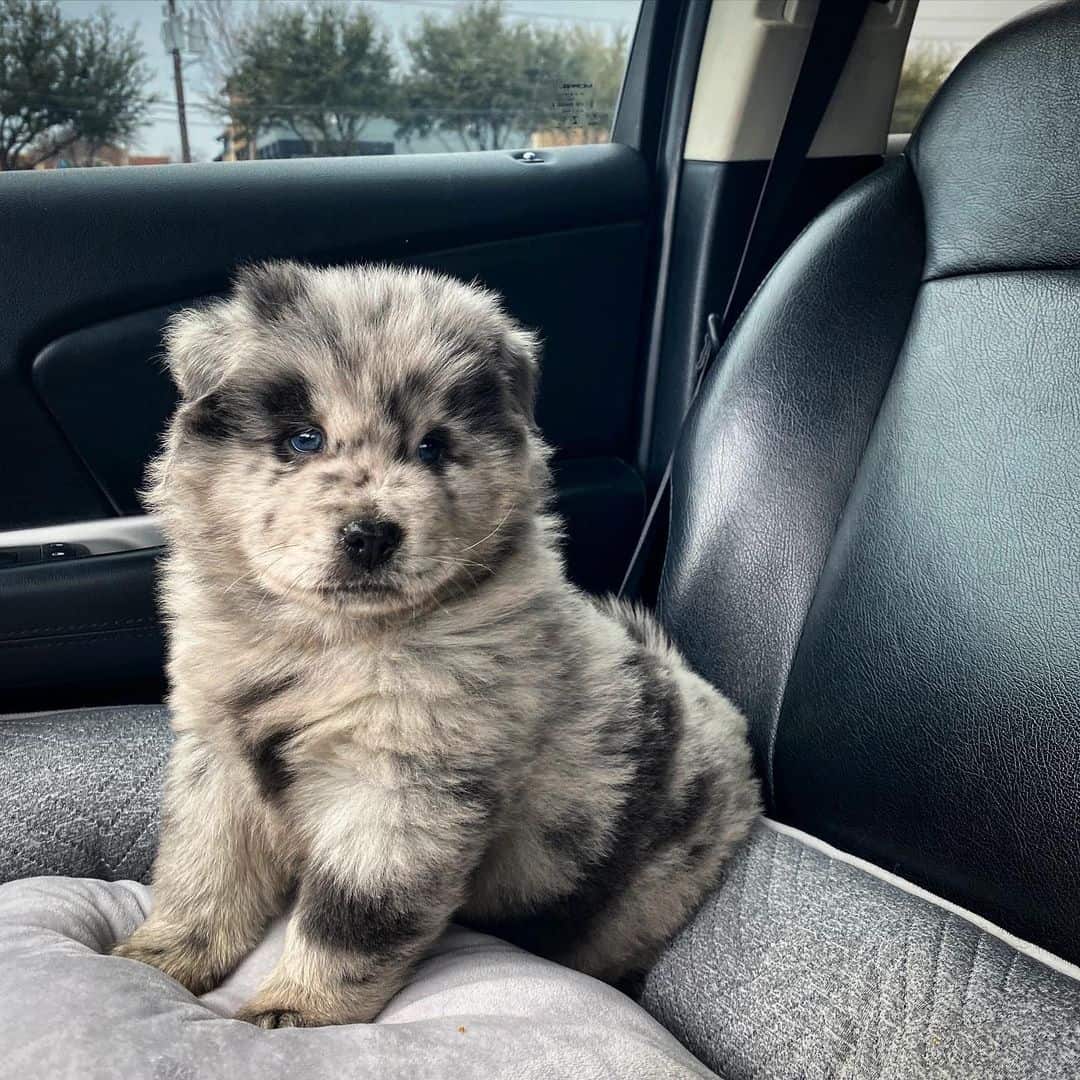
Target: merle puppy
column 392, row 709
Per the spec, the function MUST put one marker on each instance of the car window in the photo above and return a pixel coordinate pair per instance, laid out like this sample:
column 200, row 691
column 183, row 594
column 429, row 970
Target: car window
column 136, row 82
column 943, row 31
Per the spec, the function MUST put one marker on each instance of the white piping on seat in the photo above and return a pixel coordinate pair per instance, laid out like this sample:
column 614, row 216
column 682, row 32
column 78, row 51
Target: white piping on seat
column 1036, row 952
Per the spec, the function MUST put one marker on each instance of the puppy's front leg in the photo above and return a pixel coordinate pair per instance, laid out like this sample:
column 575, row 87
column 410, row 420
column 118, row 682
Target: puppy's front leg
column 217, row 878
column 383, row 877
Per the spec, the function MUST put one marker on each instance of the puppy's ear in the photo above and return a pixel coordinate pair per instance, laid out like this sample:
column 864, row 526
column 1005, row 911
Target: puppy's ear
column 270, row 290
column 196, row 349
column 519, row 361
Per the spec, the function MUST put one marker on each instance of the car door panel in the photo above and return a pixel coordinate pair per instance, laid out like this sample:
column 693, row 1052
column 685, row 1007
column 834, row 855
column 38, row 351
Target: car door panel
column 573, row 286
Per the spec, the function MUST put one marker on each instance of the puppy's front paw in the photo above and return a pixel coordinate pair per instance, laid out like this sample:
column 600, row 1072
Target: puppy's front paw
column 274, row 1018
column 182, row 954
column 285, row 1003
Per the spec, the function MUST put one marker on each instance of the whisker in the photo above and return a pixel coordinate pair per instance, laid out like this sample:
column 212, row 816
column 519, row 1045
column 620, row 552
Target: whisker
column 484, row 539
column 255, row 570
column 458, row 562
column 295, row 581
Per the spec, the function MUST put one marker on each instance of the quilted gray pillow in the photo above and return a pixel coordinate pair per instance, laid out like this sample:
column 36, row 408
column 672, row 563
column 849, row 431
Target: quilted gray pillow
column 477, row 1008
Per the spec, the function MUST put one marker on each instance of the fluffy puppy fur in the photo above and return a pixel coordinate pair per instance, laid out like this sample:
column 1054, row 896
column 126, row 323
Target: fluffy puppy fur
column 392, row 709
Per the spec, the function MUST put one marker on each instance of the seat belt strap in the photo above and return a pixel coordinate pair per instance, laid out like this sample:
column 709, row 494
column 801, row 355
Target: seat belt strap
column 832, row 37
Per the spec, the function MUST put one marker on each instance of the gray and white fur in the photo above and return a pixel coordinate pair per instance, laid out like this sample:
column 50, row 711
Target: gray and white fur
column 392, row 709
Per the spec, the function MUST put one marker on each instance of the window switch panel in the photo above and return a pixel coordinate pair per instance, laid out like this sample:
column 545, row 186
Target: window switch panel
column 31, row 554
column 51, row 552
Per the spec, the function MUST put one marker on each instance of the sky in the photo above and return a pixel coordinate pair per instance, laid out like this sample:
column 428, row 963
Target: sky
column 959, row 23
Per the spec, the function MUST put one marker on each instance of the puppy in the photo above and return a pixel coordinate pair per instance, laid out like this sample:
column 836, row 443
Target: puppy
column 392, row 709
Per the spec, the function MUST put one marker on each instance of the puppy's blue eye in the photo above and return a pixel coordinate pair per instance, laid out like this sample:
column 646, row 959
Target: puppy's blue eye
column 431, row 449
column 308, row 441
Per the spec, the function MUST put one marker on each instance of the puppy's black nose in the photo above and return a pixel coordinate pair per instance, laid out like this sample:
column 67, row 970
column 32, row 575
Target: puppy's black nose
column 371, row 543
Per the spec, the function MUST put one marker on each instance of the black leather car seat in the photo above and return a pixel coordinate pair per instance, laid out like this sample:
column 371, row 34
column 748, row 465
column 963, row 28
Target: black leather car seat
column 875, row 546
column 875, row 534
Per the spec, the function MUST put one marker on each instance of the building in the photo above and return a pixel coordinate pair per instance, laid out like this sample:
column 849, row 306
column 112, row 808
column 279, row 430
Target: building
column 80, row 154
column 379, row 136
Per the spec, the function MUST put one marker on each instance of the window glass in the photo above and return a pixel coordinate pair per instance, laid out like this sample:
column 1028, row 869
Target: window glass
column 134, row 82
column 943, row 31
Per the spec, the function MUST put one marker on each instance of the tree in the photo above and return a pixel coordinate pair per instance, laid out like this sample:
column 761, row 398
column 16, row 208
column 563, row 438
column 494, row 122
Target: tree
column 65, row 82
column 925, row 68
column 320, row 69
column 484, row 80
column 226, row 25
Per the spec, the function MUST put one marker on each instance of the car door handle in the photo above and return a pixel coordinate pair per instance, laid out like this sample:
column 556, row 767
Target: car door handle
column 78, row 539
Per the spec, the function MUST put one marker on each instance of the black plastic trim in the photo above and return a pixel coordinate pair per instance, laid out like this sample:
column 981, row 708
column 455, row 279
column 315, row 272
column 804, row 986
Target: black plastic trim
column 80, row 631
column 687, row 37
column 106, row 387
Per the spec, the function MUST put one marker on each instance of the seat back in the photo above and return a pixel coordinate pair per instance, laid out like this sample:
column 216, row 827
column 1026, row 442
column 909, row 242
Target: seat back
column 875, row 537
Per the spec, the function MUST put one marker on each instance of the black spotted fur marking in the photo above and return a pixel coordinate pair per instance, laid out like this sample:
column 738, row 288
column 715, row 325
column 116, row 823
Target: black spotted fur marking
column 643, row 825
column 344, row 918
column 699, row 852
column 479, row 403
column 285, row 399
column 271, row 290
column 214, row 417
column 522, row 371
column 251, row 697
column 475, row 789
column 267, row 412
column 570, row 836
column 272, row 771
column 398, row 408
column 687, row 808
column 266, row 755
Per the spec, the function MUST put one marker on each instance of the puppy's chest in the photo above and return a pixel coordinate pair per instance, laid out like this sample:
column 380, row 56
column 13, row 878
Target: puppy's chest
column 381, row 714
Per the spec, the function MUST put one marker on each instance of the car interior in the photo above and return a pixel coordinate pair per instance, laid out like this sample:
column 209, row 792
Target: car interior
column 865, row 534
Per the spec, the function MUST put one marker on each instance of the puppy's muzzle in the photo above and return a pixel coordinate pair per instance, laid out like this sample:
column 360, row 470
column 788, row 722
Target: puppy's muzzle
column 370, row 544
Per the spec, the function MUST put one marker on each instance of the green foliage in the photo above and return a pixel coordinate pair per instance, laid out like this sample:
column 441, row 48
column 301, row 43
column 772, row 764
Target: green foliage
column 925, row 68
column 482, row 79
column 65, row 82
column 321, row 69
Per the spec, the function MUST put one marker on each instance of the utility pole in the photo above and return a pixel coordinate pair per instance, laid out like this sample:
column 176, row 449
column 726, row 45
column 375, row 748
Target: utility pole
column 173, row 21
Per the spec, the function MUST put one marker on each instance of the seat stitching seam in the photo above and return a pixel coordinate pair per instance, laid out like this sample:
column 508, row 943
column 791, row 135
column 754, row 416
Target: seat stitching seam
column 774, row 729
column 1003, row 271
column 77, row 639
column 142, row 620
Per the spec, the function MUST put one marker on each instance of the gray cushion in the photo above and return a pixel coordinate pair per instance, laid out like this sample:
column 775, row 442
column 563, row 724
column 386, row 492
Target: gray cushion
column 477, row 1008
column 804, row 965
column 79, row 792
